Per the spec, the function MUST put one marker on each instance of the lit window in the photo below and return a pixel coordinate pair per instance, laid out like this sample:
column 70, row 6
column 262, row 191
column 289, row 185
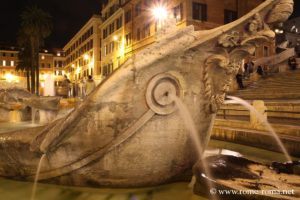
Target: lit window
column 4, row 63
column 12, row 63
column 128, row 39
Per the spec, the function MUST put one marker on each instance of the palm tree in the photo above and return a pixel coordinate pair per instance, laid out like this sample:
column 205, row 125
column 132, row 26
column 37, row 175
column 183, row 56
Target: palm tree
column 24, row 64
column 36, row 25
column 24, row 57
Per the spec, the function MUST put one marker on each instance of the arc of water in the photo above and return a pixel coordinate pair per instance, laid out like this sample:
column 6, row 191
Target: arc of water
column 190, row 125
column 33, row 192
column 262, row 119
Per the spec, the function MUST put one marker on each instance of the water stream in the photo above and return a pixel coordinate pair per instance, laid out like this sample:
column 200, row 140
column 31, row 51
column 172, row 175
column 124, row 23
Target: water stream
column 190, row 125
column 33, row 192
column 262, row 119
column 33, row 115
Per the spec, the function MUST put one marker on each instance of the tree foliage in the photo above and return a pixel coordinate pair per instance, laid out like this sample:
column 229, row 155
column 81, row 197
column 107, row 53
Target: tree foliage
column 36, row 25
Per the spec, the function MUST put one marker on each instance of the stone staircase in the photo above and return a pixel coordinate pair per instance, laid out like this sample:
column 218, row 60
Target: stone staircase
column 285, row 85
column 280, row 95
column 236, row 124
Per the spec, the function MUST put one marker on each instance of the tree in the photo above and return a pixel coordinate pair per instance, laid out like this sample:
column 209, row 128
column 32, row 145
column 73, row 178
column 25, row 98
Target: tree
column 36, row 25
column 24, row 64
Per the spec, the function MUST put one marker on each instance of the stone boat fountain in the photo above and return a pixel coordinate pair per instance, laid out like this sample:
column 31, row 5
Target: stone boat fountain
column 128, row 132
column 15, row 104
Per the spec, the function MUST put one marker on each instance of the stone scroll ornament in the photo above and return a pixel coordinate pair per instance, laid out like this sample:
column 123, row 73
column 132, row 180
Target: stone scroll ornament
column 232, row 47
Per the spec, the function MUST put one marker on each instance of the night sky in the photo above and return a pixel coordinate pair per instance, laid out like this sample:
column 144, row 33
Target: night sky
column 68, row 17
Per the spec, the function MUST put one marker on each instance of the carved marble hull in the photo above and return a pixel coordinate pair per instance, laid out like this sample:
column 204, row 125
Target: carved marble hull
column 128, row 132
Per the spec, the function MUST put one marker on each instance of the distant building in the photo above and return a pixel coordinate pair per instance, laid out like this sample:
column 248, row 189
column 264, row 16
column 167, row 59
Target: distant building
column 112, row 37
column 124, row 28
column 129, row 26
column 50, row 63
column 83, row 52
column 8, row 63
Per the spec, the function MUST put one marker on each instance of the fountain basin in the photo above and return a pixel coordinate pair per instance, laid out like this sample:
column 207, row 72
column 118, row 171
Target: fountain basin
column 239, row 178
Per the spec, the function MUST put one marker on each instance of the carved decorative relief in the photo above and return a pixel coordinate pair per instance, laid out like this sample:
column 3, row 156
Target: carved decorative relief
column 231, row 49
column 281, row 12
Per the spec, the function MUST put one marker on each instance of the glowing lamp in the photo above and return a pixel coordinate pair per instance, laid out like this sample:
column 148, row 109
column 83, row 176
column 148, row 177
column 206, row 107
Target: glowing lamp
column 160, row 13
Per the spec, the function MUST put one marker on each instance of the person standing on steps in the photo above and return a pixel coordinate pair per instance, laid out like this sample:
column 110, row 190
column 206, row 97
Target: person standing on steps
column 292, row 63
column 297, row 48
column 67, row 84
column 239, row 77
column 260, row 71
column 90, row 85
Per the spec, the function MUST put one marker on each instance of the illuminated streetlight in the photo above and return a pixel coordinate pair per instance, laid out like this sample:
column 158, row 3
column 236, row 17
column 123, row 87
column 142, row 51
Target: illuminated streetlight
column 278, row 31
column 160, row 12
column 86, row 57
column 116, row 38
column 78, row 70
column 9, row 77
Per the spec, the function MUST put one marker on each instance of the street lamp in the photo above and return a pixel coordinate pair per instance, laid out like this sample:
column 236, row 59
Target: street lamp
column 86, row 57
column 278, row 31
column 116, row 38
column 160, row 13
column 9, row 77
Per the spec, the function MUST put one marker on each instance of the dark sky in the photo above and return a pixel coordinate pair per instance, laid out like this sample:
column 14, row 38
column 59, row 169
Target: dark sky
column 68, row 17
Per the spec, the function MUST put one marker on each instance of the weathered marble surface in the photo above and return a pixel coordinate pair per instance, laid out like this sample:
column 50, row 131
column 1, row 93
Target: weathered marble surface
column 18, row 100
column 253, row 180
column 128, row 132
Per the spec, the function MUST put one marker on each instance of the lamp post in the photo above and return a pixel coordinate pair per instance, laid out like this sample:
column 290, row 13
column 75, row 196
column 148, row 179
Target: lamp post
column 160, row 13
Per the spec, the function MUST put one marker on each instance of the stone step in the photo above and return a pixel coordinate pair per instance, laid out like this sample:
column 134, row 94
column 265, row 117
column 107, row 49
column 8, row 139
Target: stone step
column 269, row 96
column 270, row 89
column 260, row 139
column 283, row 129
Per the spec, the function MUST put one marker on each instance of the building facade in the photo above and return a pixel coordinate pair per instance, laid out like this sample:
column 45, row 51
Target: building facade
column 83, row 52
column 130, row 26
column 8, row 63
column 50, row 64
column 112, row 37
column 124, row 28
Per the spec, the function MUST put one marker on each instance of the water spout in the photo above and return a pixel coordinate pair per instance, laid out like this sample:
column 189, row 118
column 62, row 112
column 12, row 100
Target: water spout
column 33, row 192
column 262, row 119
column 33, row 115
column 190, row 125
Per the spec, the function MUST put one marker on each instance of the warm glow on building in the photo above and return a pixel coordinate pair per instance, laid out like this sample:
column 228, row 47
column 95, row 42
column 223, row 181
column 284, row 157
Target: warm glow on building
column 9, row 77
column 83, row 52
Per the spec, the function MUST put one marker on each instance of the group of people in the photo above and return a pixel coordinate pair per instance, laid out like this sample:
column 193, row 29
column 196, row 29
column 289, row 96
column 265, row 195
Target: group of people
column 80, row 89
column 247, row 69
